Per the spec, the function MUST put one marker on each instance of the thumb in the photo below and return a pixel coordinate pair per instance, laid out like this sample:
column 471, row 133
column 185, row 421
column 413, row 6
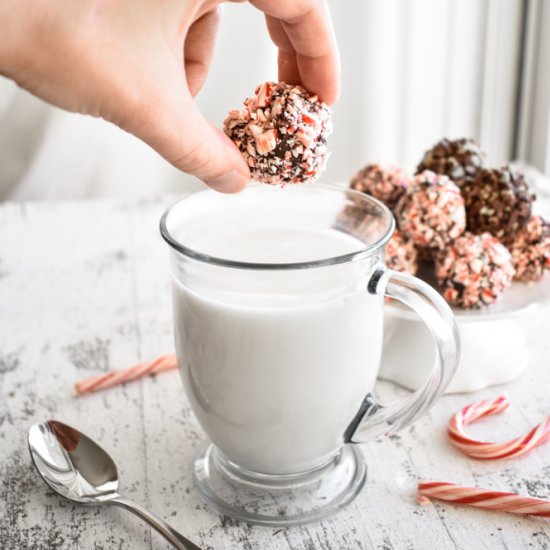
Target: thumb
column 178, row 131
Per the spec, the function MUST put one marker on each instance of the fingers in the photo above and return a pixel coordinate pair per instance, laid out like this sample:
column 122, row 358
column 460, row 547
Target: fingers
column 170, row 123
column 207, row 153
column 288, row 68
column 302, row 30
column 162, row 111
column 199, row 48
column 198, row 148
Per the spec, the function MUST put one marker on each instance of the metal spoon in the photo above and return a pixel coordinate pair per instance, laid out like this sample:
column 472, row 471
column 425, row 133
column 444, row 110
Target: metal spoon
column 78, row 469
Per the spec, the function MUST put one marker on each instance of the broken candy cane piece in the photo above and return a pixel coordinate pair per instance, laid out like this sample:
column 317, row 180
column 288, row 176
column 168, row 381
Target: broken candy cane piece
column 305, row 138
column 113, row 378
column 264, row 95
column 266, row 142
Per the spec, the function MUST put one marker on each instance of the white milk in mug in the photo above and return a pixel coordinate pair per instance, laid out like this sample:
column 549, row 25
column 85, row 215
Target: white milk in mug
column 277, row 365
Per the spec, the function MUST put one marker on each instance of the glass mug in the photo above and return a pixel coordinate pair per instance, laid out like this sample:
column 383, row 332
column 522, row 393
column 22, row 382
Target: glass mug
column 278, row 300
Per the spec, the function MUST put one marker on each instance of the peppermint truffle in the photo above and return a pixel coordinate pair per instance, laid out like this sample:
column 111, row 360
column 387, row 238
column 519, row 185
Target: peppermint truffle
column 530, row 250
column 474, row 270
column 459, row 159
column 401, row 254
column 431, row 212
column 385, row 183
column 282, row 133
column 498, row 201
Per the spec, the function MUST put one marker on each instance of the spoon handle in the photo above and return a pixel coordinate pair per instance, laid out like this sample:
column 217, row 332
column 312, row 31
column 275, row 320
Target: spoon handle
column 170, row 534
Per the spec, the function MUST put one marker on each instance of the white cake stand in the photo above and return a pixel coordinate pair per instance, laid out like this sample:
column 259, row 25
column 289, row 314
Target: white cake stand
column 492, row 341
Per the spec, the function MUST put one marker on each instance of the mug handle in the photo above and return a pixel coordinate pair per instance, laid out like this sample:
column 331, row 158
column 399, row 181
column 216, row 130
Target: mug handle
column 374, row 419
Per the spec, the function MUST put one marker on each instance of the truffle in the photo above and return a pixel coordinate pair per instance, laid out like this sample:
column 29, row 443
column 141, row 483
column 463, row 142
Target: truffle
column 431, row 212
column 401, row 254
column 282, row 133
column 459, row 159
column 385, row 183
column 530, row 250
column 474, row 270
column 498, row 201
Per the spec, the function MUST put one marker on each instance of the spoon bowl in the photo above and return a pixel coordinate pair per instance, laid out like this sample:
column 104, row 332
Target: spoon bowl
column 72, row 464
column 77, row 468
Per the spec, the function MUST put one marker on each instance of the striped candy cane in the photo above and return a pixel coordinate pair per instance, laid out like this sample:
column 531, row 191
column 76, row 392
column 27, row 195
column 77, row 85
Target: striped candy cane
column 484, row 498
column 112, row 378
column 492, row 451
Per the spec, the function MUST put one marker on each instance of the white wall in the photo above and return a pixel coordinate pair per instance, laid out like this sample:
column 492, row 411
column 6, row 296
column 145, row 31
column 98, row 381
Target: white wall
column 534, row 136
column 413, row 71
column 418, row 70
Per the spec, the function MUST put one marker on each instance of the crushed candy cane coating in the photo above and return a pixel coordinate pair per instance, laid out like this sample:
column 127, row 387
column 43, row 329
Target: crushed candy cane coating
column 459, row 159
column 474, row 270
column 282, row 133
column 385, row 183
column 401, row 254
column 498, row 201
column 530, row 249
column 431, row 212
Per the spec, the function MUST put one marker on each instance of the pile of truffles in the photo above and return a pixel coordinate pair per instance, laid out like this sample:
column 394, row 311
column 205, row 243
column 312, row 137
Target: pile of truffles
column 282, row 133
column 472, row 225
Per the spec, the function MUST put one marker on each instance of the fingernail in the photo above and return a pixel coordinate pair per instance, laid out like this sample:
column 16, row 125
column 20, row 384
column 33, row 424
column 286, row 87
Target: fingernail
column 231, row 182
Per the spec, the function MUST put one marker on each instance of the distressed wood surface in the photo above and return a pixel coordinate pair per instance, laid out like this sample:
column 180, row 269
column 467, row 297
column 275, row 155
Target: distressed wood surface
column 84, row 287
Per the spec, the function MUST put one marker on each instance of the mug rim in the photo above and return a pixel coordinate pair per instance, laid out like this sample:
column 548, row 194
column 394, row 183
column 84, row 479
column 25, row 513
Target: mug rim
column 358, row 255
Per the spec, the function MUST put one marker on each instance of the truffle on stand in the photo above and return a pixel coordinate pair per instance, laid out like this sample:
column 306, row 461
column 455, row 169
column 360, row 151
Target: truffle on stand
column 459, row 159
column 530, row 249
column 431, row 213
column 385, row 183
column 474, row 270
column 401, row 254
column 498, row 201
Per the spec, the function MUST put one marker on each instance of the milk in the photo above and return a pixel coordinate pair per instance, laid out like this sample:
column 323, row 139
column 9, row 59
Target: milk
column 277, row 363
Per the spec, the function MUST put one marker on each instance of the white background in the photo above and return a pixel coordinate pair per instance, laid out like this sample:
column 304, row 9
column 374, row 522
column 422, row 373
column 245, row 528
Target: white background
column 413, row 71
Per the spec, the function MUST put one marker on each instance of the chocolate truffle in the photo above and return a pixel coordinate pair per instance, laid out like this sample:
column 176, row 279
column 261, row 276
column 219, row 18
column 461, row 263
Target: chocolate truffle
column 431, row 212
column 385, row 183
column 474, row 270
column 459, row 159
column 282, row 133
column 497, row 201
column 530, row 249
column 401, row 254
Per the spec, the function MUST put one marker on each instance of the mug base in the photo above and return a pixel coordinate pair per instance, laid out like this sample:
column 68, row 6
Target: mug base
column 279, row 500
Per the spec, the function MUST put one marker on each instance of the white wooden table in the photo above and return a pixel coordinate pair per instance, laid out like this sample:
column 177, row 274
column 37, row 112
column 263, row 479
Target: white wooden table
column 84, row 287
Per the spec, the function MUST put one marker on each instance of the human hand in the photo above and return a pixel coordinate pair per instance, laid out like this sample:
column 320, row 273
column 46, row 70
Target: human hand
column 140, row 64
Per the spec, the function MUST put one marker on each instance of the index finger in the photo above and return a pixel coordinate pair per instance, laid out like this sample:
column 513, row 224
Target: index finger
column 303, row 28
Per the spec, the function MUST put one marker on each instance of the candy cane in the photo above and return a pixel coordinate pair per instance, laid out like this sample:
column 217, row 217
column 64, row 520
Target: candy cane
column 112, row 378
column 484, row 498
column 491, row 451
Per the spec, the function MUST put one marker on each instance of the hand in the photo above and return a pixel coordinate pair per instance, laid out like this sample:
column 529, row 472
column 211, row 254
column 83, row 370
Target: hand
column 139, row 64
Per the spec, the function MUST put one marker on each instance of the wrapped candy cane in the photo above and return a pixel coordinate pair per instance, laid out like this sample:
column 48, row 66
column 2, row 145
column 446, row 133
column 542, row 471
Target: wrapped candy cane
column 484, row 498
column 112, row 378
column 492, row 451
